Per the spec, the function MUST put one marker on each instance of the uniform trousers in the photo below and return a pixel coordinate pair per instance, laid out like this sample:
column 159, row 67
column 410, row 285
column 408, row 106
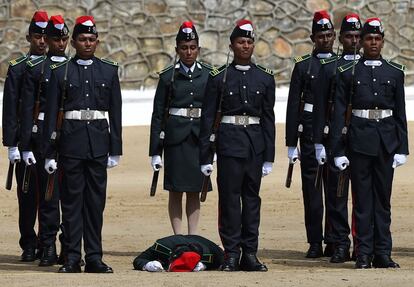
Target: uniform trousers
column 83, row 196
column 371, row 186
column 238, row 182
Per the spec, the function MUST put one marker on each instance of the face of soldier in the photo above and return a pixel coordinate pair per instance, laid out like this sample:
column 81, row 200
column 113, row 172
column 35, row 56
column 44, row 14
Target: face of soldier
column 37, row 42
column 188, row 52
column 349, row 40
column 85, row 45
column 242, row 49
column 372, row 45
column 323, row 41
column 57, row 45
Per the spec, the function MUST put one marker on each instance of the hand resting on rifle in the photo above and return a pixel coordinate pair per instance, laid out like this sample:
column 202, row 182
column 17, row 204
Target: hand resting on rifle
column 293, row 154
column 341, row 162
column 50, row 165
column 28, row 158
column 399, row 159
column 206, row 169
column 14, row 154
column 113, row 160
column 267, row 168
column 156, row 162
column 320, row 154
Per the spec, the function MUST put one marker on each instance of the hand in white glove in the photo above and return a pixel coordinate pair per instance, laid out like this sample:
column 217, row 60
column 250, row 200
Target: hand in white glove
column 267, row 168
column 320, row 154
column 199, row 267
column 341, row 162
column 50, row 165
column 14, row 154
column 215, row 157
column 206, row 169
column 113, row 160
column 28, row 158
column 153, row 266
column 293, row 154
column 399, row 159
column 156, row 162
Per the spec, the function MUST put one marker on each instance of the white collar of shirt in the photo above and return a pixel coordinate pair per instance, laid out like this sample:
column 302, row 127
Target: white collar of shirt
column 324, row 55
column 58, row 59
column 187, row 68
column 242, row 67
column 84, row 62
column 350, row 57
column 373, row 63
column 34, row 57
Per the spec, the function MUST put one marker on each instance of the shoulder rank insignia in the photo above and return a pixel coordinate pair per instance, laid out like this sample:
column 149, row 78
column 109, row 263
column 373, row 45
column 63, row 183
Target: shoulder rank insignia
column 16, row 61
column 35, row 62
column 57, row 65
column 266, row 70
column 347, row 66
column 217, row 71
column 165, row 69
column 301, row 58
column 106, row 61
column 205, row 65
column 329, row 60
column 396, row 65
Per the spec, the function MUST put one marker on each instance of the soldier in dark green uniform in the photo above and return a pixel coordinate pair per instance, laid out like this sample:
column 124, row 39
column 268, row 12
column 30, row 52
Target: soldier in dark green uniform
column 182, row 173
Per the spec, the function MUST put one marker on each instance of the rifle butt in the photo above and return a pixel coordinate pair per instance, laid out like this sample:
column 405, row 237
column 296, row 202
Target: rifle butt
column 154, row 183
column 50, row 186
column 288, row 181
column 9, row 179
column 342, row 179
column 204, row 188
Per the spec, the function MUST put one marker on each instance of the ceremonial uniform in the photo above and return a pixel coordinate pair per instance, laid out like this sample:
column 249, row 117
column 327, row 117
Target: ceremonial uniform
column 182, row 128
column 161, row 251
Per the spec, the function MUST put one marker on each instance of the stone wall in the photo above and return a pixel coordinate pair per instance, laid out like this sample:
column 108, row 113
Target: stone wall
column 140, row 34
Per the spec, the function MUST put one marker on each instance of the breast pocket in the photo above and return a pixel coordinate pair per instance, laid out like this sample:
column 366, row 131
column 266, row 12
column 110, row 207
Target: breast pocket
column 103, row 92
column 231, row 100
column 256, row 96
column 73, row 92
column 388, row 87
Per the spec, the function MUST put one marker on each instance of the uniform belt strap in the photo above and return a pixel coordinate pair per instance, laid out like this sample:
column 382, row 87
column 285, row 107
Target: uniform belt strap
column 240, row 120
column 372, row 114
column 308, row 107
column 85, row 115
column 186, row 112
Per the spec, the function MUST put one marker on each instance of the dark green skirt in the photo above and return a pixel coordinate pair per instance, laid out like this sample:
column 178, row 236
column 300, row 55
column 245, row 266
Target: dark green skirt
column 182, row 168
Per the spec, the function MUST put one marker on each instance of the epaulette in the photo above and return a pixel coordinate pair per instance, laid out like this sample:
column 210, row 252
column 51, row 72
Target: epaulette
column 166, row 69
column 57, row 65
column 347, row 66
column 266, row 70
column 396, row 65
column 302, row 58
column 329, row 60
column 206, row 66
column 16, row 61
column 106, row 61
column 217, row 71
column 35, row 62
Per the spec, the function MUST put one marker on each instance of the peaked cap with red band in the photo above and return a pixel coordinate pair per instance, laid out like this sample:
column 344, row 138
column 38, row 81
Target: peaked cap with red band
column 373, row 26
column 186, row 262
column 321, row 22
column 351, row 22
column 244, row 28
column 56, row 27
column 84, row 25
column 187, row 32
column 39, row 22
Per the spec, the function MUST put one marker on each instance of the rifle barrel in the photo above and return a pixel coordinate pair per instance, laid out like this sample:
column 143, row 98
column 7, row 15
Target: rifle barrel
column 9, row 180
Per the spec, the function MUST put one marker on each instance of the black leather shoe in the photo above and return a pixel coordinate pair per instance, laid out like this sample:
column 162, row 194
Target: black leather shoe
column 70, row 267
column 28, row 255
column 384, row 261
column 329, row 250
column 49, row 256
column 314, row 251
column 97, row 266
column 363, row 262
column 249, row 262
column 340, row 255
column 230, row 264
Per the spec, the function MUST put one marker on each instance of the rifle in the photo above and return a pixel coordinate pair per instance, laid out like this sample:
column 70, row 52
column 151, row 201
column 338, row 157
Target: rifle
column 56, row 134
column 300, row 125
column 9, row 180
column 344, row 174
column 217, row 120
column 328, row 112
column 154, row 181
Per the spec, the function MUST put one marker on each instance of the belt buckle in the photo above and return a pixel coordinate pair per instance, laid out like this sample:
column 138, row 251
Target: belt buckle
column 86, row 115
column 241, row 120
column 374, row 114
column 193, row 112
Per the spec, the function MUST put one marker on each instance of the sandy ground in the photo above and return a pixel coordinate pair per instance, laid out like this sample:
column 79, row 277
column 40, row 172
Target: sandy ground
column 133, row 221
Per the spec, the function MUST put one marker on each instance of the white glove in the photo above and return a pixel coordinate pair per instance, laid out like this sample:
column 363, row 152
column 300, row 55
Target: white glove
column 153, row 266
column 399, row 159
column 113, row 160
column 206, row 169
column 341, row 162
column 50, row 165
column 293, row 154
column 215, row 157
column 199, row 267
column 14, row 154
column 156, row 162
column 320, row 153
column 267, row 168
column 28, row 158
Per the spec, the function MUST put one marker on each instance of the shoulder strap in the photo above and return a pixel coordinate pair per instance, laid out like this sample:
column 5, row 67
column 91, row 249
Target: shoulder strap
column 396, row 65
column 266, row 70
column 16, row 61
column 302, row 58
column 217, row 71
column 110, row 62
